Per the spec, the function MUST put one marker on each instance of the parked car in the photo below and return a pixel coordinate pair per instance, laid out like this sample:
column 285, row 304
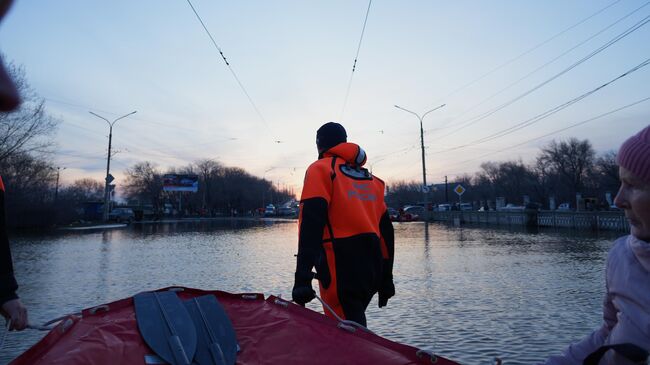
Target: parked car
column 287, row 211
column 269, row 210
column 466, row 206
column 564, row 206
column 444, row 207
column 121, row 215
column 512, row 208
column 412, row 213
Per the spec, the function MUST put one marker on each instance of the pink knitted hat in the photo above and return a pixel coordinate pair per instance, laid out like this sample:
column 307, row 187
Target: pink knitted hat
column 634, row 154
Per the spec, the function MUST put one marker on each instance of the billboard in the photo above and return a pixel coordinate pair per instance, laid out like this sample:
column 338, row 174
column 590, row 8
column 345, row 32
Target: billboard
column 173, row 182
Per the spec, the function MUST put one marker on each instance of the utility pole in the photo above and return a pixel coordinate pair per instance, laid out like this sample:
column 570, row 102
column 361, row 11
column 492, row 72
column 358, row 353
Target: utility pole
column 424, row 169
column 446, row 191
column 56, row 190
column 109, row 177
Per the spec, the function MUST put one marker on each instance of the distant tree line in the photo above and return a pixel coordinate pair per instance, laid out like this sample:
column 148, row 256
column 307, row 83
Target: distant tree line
column 222, row 190
column 561, row 170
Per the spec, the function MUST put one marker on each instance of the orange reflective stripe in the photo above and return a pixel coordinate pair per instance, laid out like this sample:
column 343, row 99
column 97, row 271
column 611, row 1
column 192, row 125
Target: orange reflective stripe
column 2, row 185
column 330, row 295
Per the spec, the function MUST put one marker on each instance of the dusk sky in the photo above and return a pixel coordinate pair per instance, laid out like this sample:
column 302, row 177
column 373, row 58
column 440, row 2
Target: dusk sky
column 495, row 64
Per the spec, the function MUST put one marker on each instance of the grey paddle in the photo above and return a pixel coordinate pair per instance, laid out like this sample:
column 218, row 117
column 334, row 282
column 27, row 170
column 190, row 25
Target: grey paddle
column 166, row 326
column 217, row 343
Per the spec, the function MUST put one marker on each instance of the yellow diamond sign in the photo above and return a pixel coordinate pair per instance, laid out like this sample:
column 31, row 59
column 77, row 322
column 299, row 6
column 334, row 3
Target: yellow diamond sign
column 459, row 189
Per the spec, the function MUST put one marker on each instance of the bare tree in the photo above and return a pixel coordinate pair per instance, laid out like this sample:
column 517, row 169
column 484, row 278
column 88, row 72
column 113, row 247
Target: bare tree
column 29, row 182
column 144, row 182
column 29, row 128
column 82, row 190
column 569, row 162
column 403, row 193
column 209, row 171
column 221, row 189
column 511, row 180
column 605, row 175
column 25, row 137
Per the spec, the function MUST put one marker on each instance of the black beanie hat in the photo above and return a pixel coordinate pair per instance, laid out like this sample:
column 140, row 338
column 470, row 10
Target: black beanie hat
column 329, row 135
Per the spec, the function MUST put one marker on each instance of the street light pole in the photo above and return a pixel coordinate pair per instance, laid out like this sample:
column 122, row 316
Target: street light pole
column 56, row 190
column 109, row 178
column 424, row 169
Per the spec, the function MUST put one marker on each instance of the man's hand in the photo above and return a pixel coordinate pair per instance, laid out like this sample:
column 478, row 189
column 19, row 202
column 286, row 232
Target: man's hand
column 16, row 311
column 302, row 292
column 386, row 292
column 303, row 295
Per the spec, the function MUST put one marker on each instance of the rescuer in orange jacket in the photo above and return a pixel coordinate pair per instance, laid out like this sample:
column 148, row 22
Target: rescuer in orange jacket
column 344, row 230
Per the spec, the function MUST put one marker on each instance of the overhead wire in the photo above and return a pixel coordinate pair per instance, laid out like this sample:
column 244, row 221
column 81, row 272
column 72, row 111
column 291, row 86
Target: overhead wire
column 548, row 63
column 410, row 165
column 132, row 145
column 354, row 65
column 547, row 113
column 560, row 130
column 387, row 156
column 85, row 107
column 232, row 71
column 527, row 123
column 614, row 40
column 530, row 50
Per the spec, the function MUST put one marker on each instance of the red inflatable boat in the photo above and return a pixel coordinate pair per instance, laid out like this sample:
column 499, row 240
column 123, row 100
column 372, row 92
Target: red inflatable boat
column 268, row 331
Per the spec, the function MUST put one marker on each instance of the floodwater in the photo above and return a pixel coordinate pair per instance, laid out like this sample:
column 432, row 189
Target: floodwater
column 469, row 294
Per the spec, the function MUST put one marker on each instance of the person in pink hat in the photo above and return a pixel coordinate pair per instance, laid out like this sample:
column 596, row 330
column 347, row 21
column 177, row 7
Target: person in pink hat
column 624, row 337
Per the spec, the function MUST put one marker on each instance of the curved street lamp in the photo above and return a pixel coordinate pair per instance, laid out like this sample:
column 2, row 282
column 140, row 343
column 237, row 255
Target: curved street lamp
column 424, row 169
column 109, row 178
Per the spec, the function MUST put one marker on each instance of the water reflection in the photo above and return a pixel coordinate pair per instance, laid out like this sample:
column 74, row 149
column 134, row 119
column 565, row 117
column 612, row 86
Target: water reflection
column 469, row 293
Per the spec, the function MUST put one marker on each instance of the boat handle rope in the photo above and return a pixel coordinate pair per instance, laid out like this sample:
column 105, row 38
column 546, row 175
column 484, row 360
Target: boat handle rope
column 345, row 324
column 49, row 325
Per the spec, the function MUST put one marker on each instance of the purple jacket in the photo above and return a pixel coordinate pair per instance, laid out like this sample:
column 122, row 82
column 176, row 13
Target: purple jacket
column 626, row 308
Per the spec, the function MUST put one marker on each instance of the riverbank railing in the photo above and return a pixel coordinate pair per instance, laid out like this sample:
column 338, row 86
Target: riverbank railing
column 597, row 220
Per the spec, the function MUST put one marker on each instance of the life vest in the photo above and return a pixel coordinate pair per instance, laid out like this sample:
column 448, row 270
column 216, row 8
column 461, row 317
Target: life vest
column 355, row 197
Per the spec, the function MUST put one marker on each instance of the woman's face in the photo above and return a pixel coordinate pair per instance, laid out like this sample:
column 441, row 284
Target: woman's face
column 634, row 198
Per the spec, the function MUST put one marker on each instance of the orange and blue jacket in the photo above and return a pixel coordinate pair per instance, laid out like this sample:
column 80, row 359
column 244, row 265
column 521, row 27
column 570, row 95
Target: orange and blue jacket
column 8, row 285
column 344, row 227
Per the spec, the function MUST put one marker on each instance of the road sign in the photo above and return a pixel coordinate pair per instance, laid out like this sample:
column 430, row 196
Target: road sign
column 425, row 189
column 109, row 178
column 459, row 190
